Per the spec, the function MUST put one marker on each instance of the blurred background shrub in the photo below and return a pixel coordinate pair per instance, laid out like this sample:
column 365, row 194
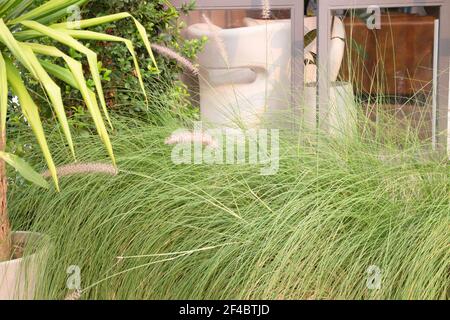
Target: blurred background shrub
column 166, row 93
column 121, row 86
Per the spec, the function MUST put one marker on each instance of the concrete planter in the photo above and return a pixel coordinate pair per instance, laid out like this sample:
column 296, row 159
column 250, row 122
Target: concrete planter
column 19, row 277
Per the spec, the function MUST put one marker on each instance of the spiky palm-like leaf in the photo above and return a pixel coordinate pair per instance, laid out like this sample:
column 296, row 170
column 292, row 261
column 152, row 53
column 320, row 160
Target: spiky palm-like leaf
column 21, row 28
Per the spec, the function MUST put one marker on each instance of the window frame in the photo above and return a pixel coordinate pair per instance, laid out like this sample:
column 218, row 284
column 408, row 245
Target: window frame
column 296, row 8
column 441, row 116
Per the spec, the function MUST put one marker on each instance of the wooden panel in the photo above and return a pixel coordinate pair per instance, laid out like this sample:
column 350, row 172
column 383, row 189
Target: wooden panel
column 394, row 60
column 396, row 120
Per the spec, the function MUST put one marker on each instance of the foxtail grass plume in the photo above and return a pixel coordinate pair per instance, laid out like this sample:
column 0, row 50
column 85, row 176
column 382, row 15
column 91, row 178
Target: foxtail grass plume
column 189, row 137
column 74, row 295
column 83, row 168
column 266, row 11
column 169, row 53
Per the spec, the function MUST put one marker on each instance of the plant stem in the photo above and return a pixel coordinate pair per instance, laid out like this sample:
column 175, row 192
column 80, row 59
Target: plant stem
column 5, row 229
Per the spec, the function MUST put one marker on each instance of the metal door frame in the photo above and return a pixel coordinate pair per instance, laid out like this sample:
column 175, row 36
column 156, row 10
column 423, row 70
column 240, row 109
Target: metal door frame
column 325, row 8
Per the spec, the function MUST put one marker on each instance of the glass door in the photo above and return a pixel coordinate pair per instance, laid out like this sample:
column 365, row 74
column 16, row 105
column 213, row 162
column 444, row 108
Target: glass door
column 388, row 63
column 248, row 61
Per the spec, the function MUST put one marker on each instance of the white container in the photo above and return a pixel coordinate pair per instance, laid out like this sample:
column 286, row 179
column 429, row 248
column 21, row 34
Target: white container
column 245, row 73
column 19, row 277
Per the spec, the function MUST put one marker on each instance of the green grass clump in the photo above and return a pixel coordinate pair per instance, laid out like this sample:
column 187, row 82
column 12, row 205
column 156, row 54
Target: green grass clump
column 311, row 231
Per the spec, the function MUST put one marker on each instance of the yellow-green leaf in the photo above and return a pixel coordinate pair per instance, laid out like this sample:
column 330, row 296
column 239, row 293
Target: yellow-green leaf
column 75, row 78
column 86, row 23
column 24, row 169
column 71, row 42
column 53, row 91
column 44, row 9
column 13, row 45
column 30, row 110
column 91, row 35
column 3, row 94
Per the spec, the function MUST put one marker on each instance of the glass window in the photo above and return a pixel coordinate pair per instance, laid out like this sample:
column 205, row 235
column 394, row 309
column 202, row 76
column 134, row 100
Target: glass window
column 245, row 65
column 389, row 60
